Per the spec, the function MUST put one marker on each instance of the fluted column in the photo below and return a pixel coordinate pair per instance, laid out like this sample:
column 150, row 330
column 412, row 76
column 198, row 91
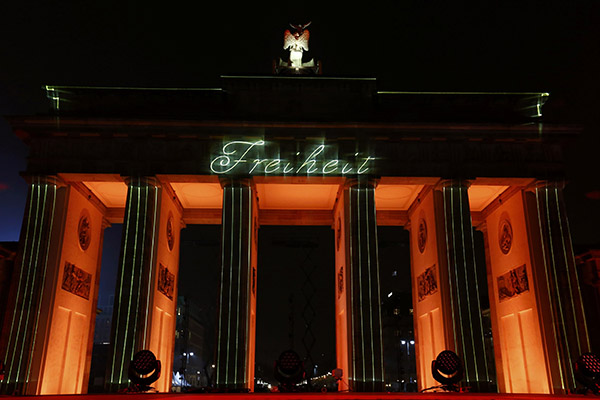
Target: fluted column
column 363, row 300
column 236, row 301
column 458, row 271
column 133, row 294
column 20, row 345
column 555, row 274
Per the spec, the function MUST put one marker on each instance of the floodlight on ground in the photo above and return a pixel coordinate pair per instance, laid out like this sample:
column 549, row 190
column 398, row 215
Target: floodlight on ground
column 587, row 372
column 448, row 370
column 144, row 369
column 289, row 371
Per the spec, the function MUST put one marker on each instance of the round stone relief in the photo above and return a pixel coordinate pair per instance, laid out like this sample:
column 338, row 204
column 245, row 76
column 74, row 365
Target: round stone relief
column 505, row 235
column 84, row 230
column 170, row 234
column 422, row 235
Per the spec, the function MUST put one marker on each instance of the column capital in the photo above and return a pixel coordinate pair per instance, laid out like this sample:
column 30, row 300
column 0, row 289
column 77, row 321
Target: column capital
column 148, row 180
column 105, row 223
column 361, row 181
column 228, row 181
column 44, row 179
column 545, row 184
column 444, row 183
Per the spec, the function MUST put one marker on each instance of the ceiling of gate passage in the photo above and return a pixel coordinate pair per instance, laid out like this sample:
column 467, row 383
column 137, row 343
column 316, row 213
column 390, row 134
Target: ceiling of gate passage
column 288, row 194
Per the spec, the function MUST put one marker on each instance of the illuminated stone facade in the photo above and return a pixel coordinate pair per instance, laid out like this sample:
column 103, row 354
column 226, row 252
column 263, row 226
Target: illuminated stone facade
column 295, row 151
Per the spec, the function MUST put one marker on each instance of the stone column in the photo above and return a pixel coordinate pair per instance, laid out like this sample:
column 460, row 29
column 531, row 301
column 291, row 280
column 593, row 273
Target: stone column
column 134, row 292
column 358, row 320
column 20, row 345
column 237, row 288
column 459, row 274
column 555, row 276
column 51, row 321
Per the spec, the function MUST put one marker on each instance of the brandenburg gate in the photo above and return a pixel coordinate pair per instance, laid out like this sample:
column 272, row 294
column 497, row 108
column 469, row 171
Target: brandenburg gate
column 295, row 151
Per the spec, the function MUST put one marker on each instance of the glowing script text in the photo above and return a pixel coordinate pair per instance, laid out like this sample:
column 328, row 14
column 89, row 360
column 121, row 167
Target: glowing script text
column 239, row 157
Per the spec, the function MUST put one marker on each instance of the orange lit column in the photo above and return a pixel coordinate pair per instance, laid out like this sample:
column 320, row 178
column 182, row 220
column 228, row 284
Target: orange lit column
column 136, row 279
column 458, row 275
column 555, row 277
column 446, row 303
column 237, row 288
column 48, row 332
column 358, row 296
column 431, row 332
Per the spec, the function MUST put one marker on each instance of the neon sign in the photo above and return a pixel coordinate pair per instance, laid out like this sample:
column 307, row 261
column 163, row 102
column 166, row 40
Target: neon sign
column 243, row 157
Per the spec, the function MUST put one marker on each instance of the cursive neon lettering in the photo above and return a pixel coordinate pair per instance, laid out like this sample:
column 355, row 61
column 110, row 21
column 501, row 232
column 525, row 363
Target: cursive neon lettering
column 330, row 167
column 246, row 157
column 310, row 160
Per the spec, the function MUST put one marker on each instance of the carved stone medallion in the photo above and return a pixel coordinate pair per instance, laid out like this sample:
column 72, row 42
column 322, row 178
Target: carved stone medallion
column 422, row 235
column 84, row 230
column 505, row 236
column 170, row 234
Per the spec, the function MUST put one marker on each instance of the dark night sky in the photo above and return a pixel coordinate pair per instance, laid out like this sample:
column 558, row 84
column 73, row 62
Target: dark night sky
column 420, row 45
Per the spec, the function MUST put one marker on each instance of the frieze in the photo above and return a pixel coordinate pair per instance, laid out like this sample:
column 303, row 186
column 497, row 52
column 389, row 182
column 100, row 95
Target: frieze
column 76, row 281
column 166, row 281
column 395, row 157
column 513, row 283
column 427, row 283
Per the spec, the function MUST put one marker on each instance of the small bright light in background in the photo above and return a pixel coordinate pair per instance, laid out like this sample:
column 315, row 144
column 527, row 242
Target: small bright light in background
column 412, row 342
column 390, row 294
column 191, row 353
column 212, row 366
column 403, row 341
column 185, row 354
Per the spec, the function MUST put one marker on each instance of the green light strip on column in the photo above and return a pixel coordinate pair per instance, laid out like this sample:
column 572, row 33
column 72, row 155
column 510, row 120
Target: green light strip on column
column 548, row 285
column 29, row 296
column 554, row 273
column 571, row 256
column 371, row 332
column 220, row 317
column 150, row 289
column 45, row 267
column 21, row 273
column 448, row 258
column 230, row 226
column 121, row 278
column 249, row 286
column 472, row 243
column 360, row 280
column 350, row 274
column 238, row 299
column 570, row 293
column 131, row 279
column 374, row 210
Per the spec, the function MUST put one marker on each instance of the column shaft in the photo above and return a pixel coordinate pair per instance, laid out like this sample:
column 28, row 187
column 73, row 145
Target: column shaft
column 28, row 289
column 364, row 296
column 234, row 302
column 133, row 295
column 456, row 251
column 559, row 295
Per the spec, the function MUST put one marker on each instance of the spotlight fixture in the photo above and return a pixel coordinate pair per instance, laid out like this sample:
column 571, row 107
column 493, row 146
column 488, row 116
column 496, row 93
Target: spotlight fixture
column 289, row 371
column 448, row 370
column 587, row 372
column 144, row 369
